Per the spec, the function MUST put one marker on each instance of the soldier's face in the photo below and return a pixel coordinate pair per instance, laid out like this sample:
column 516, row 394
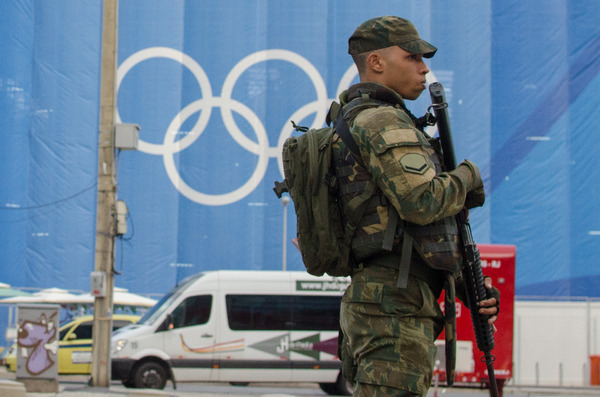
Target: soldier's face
column 405, row 72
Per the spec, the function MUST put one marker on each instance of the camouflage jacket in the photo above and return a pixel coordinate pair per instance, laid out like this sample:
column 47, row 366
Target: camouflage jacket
column 403, row 163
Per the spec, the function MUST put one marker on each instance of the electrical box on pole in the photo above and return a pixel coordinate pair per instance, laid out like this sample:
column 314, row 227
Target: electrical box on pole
column 127, row 136
column 98, row 284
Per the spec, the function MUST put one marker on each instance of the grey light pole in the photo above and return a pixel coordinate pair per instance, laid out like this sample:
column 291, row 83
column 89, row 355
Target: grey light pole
column 285, row 200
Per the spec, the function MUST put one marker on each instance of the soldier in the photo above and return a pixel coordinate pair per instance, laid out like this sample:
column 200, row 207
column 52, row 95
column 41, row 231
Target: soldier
column 406, row 246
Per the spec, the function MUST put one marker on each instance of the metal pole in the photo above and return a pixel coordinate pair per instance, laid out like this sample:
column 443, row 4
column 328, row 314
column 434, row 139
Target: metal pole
column 285, row 200
column 517, row 348
column 107, row 191
column 588, row 323
column 594, row 347
column 560, row 374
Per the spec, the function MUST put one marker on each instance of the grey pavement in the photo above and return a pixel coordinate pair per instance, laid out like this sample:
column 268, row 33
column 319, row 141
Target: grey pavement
column 76, row 386
column 272, row 391
column 512, row 391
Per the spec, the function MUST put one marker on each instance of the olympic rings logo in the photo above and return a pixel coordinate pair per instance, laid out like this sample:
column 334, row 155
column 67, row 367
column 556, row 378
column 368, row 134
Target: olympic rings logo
column 228, row 105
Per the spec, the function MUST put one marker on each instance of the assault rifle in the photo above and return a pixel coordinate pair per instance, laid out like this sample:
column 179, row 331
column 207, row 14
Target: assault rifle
column 472, row 273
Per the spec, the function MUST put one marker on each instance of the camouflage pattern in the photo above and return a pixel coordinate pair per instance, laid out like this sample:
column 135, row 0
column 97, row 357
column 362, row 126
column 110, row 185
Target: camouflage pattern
column 387, row 31
column 450, row 327
column 437, row 242
column 384, row 135
column 391, row 332
column 352, row 180
column 406, row 163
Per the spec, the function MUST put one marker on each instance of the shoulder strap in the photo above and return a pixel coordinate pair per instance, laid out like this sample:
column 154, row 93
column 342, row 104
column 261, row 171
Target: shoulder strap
column 341, row 127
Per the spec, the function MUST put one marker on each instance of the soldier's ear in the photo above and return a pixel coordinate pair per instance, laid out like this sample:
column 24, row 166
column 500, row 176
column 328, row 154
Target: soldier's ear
column 375, row 62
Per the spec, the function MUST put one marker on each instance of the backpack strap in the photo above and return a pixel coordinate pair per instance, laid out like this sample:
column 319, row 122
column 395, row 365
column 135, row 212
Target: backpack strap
column 405, row 256
column 341, row 127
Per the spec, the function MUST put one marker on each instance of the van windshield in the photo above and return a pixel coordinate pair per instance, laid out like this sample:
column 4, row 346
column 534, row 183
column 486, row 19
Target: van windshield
column 165, row 302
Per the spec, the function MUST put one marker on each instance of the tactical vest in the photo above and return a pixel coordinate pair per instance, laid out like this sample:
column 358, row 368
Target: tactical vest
column 380, row 229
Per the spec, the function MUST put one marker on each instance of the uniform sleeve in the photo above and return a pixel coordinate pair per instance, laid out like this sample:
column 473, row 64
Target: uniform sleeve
column 397, row 156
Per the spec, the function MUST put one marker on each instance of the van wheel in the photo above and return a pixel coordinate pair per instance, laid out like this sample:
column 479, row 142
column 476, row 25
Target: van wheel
column 341, row 387
column 150, row 375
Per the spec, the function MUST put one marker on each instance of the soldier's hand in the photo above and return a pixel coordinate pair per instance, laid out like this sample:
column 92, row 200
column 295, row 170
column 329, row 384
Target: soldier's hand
column 475, row 198
column 490, row 306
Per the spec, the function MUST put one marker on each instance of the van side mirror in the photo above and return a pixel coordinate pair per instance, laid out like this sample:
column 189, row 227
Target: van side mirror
column 167, row 324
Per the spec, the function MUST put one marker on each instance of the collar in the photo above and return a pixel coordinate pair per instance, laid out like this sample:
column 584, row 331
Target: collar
column 374, row 91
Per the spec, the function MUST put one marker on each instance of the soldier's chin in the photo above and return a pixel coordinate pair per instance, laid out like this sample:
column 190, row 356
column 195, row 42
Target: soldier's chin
column 413, row 97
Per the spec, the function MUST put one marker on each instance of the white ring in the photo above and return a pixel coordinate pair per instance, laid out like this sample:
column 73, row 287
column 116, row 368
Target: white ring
column 246, row 188
column 346, row 80
column 262, row 56
column 201, row 78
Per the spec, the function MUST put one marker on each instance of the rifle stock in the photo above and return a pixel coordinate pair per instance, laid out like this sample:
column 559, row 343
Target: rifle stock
column 472, row 272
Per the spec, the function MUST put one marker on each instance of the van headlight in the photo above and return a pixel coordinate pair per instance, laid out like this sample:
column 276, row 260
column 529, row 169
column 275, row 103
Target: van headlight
column 119, row 345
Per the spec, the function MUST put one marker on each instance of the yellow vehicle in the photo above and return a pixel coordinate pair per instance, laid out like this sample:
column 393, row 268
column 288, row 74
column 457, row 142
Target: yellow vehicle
column 75, row 344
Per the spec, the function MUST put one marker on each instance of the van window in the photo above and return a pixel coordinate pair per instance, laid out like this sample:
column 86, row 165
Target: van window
column 283, row 312
column 194, row 310
column 165, row 302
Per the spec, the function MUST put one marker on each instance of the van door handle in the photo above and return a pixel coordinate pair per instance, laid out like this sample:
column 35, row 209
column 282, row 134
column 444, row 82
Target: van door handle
column 207, row 336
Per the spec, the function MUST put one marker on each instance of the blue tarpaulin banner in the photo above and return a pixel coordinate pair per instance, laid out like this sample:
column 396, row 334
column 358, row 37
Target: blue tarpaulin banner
column 213, row 86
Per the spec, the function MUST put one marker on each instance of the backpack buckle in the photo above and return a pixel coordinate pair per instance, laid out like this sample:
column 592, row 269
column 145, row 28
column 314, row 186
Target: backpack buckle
column 280, row 188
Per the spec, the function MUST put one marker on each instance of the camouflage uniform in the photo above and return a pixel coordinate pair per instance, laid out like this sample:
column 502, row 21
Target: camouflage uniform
column 390, row 332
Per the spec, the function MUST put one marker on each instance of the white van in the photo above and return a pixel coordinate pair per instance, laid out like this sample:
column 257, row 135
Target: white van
column 238, row 327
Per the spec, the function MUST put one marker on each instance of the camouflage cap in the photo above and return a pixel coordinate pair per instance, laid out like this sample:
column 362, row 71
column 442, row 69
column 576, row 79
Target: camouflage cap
column 387, row 31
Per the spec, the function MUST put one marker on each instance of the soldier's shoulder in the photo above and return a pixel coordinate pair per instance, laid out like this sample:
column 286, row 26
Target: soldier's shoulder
column 385, row 127
column 383, row 118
